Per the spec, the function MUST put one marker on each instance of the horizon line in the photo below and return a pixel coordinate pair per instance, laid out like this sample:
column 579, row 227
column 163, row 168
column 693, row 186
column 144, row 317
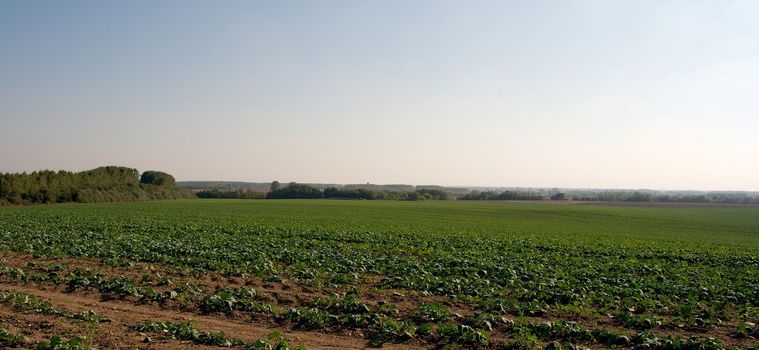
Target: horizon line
column 487, row 186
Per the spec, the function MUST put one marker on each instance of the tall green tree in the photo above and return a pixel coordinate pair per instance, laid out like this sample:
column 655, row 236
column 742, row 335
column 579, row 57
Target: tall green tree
column 158, row 178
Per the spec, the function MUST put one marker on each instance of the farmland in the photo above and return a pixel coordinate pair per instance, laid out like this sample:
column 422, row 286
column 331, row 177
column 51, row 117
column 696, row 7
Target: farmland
column 258, row 274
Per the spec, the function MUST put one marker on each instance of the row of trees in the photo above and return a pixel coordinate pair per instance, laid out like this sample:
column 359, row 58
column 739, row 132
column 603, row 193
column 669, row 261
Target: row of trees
column 301, row 191
column 116, row 184
column 295, row 190
column 617, row 196
column 502, row 196
column 231, row 194
column 360, row 193
column 642, row 197
column 104, row 184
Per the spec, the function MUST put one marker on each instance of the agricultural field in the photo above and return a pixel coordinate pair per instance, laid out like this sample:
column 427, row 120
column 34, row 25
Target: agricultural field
column 339, row 274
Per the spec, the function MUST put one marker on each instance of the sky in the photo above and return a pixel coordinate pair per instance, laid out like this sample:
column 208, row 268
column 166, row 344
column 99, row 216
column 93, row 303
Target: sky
column 592, row 94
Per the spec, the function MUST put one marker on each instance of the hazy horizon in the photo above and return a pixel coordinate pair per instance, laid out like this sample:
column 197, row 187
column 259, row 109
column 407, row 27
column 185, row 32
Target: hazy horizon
column 568, row 94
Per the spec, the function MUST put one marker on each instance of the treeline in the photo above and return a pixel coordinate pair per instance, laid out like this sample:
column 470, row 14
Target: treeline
column 301, row 191
column 642, row 197
column 266, row 186
column 122, row 184
column 502, row 196
column 293, row 191
column 360, row 193
column 231, row 194
column 104, row 184
column 616, row 196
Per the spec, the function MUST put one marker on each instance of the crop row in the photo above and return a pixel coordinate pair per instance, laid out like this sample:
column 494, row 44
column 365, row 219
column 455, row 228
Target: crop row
column 428, row 322
column 25, row 302
column 181, row 331
column 186, row 331
column 11, row 340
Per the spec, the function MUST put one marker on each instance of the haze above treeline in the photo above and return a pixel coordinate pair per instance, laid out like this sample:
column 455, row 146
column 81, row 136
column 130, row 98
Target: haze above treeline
column 609, row 94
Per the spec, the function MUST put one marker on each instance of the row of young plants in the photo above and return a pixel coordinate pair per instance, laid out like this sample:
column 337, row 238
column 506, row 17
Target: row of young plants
column 23, row 302
column 55, row 342
column 244, row 300
column 181, row 331
column 27, row 302
column 60, row 343
column 10, row 340
column 351, row 313
column 434, row 323
column 186, row 331
column 113, row 287
column 428, row 322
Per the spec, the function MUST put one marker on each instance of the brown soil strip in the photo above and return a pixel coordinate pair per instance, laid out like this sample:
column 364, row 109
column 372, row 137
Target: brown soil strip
column 125, row 315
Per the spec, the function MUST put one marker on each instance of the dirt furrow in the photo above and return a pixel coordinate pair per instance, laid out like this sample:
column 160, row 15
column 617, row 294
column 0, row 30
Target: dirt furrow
column 124, row 315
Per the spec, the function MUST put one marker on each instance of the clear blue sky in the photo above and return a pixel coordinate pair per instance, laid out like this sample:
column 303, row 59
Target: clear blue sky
column 623, row 94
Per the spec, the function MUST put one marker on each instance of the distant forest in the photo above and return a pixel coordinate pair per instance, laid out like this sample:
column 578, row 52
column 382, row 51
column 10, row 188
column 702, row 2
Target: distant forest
column 122, row 184
column 294, row 190
column 302, row 191
column 618, row 196
column 266, row 186
column 104, row 184
column 257, row 190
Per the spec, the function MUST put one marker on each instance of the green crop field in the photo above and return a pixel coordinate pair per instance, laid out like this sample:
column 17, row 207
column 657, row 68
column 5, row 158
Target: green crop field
column 416, row 274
